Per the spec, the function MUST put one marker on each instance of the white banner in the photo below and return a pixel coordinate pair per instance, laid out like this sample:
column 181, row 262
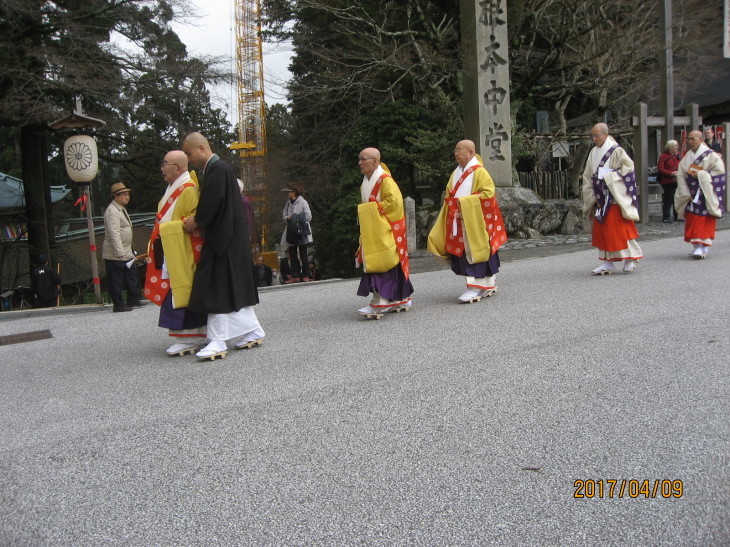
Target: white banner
column 726, row 31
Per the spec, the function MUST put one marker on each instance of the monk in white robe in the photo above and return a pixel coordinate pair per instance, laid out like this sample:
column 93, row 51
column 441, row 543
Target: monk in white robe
column 610, row 198
column 700, row 196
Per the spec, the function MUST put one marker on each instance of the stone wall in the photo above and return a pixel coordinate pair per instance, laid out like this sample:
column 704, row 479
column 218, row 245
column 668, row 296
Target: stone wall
column 525, row 216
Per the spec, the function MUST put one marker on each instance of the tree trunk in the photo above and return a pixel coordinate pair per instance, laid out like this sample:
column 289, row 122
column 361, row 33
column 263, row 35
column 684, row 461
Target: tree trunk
column 34, row 144
column 576, row 172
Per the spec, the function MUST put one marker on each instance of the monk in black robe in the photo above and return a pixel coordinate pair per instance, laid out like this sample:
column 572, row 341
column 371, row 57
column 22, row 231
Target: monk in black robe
column 224, row 286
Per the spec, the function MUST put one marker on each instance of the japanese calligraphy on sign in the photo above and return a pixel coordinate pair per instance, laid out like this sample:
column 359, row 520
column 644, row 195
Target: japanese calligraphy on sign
column 486, row 84
column 494, row 79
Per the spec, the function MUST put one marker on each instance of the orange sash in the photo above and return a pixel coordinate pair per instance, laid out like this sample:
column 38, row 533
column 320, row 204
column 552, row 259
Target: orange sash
column 493, row 221
column 155, row 288
column 398, row 227
column 455, row 242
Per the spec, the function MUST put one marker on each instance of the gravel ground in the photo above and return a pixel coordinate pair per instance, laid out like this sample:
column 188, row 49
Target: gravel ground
column 447, row 425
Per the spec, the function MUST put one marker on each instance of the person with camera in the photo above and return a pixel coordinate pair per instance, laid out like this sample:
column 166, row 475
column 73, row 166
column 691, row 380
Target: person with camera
column 297, row 233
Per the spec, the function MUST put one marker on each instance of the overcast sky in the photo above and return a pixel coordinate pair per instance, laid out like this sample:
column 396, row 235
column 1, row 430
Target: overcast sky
column 213, row 34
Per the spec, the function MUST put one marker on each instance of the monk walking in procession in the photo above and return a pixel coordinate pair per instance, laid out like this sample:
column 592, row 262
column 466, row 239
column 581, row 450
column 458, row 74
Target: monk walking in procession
column 701, row 187
column 223, row 287
column 469, row 229
column 383, row 251
column 173, row 255
column 610, row 199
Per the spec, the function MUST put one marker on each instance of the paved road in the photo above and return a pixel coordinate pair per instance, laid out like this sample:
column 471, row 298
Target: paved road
column 449, row 425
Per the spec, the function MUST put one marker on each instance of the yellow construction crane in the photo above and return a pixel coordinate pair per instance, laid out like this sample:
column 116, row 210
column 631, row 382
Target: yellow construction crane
column 252, row 110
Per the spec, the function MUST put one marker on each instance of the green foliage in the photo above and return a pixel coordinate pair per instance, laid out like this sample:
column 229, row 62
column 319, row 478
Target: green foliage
column 10, row 152
column 337, row 234
column 388, row 128
column 432, row 149
column 128, row 67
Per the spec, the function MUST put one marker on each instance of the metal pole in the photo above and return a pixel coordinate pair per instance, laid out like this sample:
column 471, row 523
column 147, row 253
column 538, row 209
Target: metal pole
column 726, row 156
column 666, row 69
column 92, row 245
column 641, row 160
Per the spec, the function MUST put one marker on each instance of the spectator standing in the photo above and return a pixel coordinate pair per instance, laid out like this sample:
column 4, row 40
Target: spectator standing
column 668, row 165
column 44, row 284
column 298, row 233
column 263, row 273
column 710, row 141
column 117, row 251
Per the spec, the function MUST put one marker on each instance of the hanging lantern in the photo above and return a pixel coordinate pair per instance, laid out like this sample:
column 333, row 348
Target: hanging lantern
column 81, row 158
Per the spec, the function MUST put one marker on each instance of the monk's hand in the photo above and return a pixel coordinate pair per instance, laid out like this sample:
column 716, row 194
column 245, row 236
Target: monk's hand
column 190, row 225
column 693, row 169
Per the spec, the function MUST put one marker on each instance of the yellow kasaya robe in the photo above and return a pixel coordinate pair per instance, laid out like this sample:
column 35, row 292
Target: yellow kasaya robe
column 180, row 261
column 382, row 221
column 181, row 250
column 481, row 222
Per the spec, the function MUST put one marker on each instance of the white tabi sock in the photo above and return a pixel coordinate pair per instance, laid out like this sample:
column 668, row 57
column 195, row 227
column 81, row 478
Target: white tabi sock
column 378, row 300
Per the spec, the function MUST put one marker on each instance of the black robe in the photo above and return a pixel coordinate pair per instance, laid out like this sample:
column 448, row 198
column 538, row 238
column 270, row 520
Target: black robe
column 224, row 280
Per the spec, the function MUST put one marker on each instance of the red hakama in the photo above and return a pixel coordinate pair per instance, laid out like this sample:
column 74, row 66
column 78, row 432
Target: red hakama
column 614, row 233
column 699, row 228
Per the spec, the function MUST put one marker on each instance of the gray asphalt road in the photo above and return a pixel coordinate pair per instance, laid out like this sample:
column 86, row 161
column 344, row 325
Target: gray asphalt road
column 448, row 425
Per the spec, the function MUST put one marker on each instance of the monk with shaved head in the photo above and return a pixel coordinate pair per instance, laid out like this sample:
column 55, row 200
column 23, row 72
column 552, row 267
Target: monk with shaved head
column 701, row 194
column 610, row 199
column 172, row 258
column 469, row 229
column 383, row 251
column 223, row 286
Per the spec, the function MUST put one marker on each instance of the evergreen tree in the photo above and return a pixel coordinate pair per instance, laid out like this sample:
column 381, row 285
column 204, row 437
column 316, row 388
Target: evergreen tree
column 128, row 67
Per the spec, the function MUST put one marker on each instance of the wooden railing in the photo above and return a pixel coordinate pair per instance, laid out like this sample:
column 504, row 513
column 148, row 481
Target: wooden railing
column 547, row 184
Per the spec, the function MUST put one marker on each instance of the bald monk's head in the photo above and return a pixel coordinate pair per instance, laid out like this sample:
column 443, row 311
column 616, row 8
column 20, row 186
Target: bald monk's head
column 599, row 134
column 368, row 161
column 174, row 165
column 694, row 139
column 197, row 149
column 463, row 153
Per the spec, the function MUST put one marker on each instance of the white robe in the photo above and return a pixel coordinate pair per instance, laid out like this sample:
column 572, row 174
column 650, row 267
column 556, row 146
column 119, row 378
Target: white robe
column 224, row 326
column 623, row 165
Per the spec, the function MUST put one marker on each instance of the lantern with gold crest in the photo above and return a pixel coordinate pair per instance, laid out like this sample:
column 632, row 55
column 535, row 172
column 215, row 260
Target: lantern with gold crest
column 82, row 164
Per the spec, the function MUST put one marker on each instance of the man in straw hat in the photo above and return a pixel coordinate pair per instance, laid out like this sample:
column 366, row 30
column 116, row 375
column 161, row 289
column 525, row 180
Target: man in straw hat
column 223, row 285
column 383, row 251
column 173, row 255
column 117, row 251
column 469, row 229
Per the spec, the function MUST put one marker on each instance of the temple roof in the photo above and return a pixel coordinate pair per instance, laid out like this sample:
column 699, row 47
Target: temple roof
column 12, row 193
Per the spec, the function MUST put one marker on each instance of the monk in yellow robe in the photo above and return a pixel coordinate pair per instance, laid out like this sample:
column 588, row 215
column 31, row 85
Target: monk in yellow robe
column 383, row 251
column 469, row 229
column 172, row 257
